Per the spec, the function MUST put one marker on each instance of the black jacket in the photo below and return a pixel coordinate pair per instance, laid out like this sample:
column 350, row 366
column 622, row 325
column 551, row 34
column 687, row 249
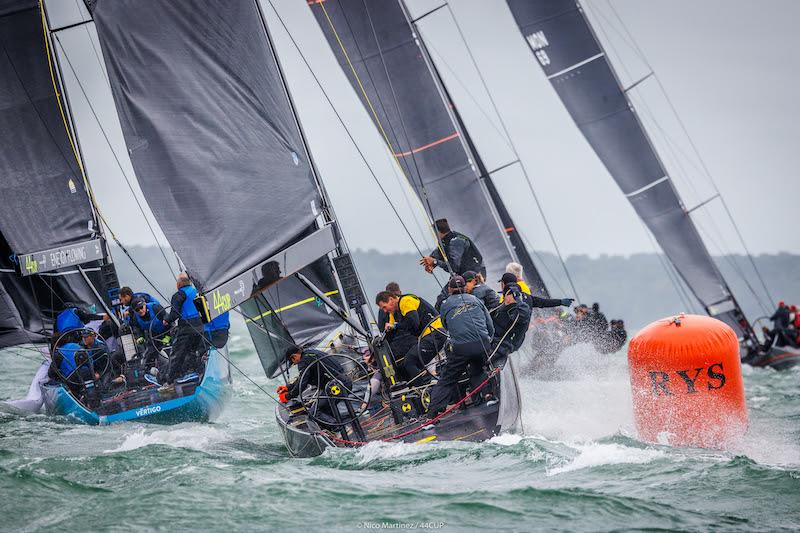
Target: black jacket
column 511, row 323
column 462, row 254
column 780, row 317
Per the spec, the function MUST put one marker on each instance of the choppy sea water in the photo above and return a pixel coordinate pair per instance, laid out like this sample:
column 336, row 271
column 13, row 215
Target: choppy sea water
column 577, row 467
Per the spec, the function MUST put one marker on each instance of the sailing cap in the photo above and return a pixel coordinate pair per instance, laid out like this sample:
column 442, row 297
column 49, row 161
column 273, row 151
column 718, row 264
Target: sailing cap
column 457, row 282
column 508, row 277
column 469, row 275
column 138, row 303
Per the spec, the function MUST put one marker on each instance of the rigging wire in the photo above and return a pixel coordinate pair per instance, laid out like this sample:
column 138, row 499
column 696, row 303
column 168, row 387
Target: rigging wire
column 422, row 201
column 695, row 149
column 511, row 145
column 348, row 132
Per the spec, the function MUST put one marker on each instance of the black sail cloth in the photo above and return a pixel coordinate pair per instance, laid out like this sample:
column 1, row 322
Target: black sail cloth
column 210, row 131
column 45, row 204
column 409, row 109
column 573, row 60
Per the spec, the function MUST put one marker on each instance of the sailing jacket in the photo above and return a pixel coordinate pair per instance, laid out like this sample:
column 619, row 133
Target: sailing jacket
column 487, row 295
column 183, row 308
column 415, row 316
column 155, row 316
column 74, row 318
column 512, row 319
column 462, row 254
column 467, row 320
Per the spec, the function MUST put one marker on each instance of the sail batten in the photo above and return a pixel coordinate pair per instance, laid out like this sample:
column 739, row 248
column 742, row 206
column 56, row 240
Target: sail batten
column 573, row 60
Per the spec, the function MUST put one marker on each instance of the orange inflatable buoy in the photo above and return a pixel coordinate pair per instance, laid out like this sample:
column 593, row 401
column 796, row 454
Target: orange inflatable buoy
column 687, row 382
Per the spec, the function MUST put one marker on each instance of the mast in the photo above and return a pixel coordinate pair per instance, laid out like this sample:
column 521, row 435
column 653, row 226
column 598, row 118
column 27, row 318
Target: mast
column 354, row 296
column 574, row 61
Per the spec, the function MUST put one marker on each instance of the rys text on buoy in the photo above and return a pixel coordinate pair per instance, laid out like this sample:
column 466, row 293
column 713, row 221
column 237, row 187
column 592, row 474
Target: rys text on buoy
column 687, row 381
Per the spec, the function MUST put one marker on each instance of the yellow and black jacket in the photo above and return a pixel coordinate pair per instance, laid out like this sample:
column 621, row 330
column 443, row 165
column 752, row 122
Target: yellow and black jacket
column 415, row 316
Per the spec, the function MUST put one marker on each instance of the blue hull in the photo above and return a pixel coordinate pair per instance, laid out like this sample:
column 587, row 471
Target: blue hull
column 204, row 405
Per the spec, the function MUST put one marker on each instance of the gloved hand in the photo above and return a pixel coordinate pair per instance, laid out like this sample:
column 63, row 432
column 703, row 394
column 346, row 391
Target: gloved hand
column 566, row 302
column 166, row 339
column 140, row 340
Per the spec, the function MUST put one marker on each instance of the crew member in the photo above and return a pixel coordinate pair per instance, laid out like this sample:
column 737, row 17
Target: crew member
column 477, row 288
column 189, row 330
column 74, row 318
column 394, row 288
column 471, row 330
column 217, row 331
column 412, row 315
column 460, row 253
column 127, row 296
column 71, row 365
column 108, row 366
column 511, row 321
column 532, row 301
column 321, row 370
column 151, row 331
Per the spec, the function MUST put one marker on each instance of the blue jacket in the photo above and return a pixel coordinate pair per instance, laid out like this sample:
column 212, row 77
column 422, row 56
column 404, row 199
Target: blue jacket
column 467, row 319
column 68, row 320
column 223, row 321
column 67, row 365
column 151, row 317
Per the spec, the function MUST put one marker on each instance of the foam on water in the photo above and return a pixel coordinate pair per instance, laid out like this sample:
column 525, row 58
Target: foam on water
column 193, row 437
column 596, row 454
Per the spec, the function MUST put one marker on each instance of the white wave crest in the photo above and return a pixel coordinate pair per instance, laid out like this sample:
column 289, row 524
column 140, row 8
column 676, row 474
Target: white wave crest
column 592, row 455
column 192, row 437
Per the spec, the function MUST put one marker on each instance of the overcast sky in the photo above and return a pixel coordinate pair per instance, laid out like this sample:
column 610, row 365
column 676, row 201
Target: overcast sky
column 730, row 68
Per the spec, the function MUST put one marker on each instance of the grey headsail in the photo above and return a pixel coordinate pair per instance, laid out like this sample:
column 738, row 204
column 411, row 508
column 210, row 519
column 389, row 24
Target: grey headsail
column 404, row 97
column 210, row 132
column 572, row 58
column 46, row 207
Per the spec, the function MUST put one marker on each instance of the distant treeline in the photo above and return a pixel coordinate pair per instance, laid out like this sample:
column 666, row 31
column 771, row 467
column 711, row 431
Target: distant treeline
column 635, row 288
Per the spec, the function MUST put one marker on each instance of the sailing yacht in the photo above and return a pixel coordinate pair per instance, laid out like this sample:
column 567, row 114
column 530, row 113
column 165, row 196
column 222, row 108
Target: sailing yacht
column 566, row 47
column 54, row 250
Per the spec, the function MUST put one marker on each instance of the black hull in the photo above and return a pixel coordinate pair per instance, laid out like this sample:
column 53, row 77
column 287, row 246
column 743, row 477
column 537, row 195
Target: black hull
column 778, row 358
column 304, row 438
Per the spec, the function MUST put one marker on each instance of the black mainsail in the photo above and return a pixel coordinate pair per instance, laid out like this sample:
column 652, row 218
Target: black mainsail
column 48, row 228
column 390, row 70
column 221, row 159
column 565, row 46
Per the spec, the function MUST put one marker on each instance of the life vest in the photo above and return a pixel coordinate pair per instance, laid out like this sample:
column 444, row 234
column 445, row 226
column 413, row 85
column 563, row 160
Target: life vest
column 157, row 325
column 68, row 320
column 223, row 321
column 188, row 310
column 471, row 260
column 429, row 319
column 68, row 351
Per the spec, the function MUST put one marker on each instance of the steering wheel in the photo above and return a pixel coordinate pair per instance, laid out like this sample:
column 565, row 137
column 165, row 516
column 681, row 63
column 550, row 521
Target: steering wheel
column 334, row 391
column 82, row 357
